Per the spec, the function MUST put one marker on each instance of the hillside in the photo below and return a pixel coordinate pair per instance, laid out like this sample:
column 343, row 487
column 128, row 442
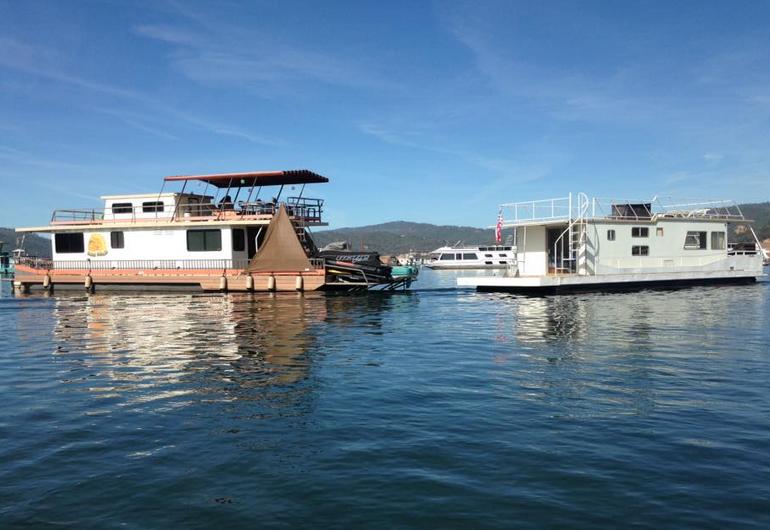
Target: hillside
column 33, row 243
column 401, row 236
column 760, row 213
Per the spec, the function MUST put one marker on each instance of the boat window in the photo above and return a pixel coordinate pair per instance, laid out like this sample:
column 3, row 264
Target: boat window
column 503, row 255
column 695, row 241
column 435, row 256
column 502, row 263
column 640, row 231
column 487, row 263
column 122, row 207
column 610, row 235
column 239, row 240
column 445, row 257
column 204, row 240
column 659, row 231
column 69, row 243
column 487, row 255
column 458, row 256
column 640, row 250
column 152, row 206
column 470, row 256
column 483, row 249
column 718, row 241
column 116, row 240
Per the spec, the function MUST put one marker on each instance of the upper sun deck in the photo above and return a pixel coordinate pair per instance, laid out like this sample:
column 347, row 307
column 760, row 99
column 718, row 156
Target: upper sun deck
column 226, row 198
column 563, row 210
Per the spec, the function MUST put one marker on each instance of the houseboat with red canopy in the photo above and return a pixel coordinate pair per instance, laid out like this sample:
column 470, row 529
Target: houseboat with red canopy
column 219, row 232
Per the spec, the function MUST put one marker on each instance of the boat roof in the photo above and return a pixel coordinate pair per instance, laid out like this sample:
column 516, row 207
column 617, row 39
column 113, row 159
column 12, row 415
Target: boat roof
column 473, row 248
column 255, row 178
column 155, row 195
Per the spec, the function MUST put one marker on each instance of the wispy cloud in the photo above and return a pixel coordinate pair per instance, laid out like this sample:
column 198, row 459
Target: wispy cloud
column 497, row 175
column 215, row 52
column 11, row 155
column 43, row 62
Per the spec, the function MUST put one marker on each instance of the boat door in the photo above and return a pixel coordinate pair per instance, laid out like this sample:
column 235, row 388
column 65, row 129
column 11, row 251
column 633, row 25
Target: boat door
column 556, row 252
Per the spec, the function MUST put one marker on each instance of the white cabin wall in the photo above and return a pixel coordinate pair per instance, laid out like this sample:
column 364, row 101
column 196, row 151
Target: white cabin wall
column 666, row 251
column 144, row 244
column 168, row 200
column 530, row 242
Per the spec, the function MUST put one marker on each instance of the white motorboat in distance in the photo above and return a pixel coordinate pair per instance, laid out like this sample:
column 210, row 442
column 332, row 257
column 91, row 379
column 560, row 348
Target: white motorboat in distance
column 479, row 257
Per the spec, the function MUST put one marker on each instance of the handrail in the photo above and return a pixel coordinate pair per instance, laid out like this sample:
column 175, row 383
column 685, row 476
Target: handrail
column 583, row 202
column 145, row 264
column 305, row 210
column 563, row 209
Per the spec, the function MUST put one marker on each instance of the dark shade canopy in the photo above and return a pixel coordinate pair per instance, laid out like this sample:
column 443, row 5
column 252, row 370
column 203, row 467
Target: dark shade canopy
column 256, row 178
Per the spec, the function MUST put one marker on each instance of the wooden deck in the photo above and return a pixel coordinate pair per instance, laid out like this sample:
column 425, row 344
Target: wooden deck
column 196, row 279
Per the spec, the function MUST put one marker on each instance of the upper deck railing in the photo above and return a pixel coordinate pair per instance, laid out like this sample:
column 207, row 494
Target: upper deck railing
column 307, row 211
column 580, row 206
column 145, row 264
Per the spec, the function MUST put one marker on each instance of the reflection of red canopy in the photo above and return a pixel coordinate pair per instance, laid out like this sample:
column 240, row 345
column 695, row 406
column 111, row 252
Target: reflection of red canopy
column 256, row 178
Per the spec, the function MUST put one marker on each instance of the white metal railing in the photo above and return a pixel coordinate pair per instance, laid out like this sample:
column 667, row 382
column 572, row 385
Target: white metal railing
column 306, row 210
column 569, row 207
column 532, row 211
column 145, row 264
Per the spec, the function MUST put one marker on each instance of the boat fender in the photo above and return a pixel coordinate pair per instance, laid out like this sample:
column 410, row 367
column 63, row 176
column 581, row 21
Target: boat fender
column 299, row 284
column 46, row 281
column 88, row 283
column 249, row 283
column 271, row 283
column 223, row 283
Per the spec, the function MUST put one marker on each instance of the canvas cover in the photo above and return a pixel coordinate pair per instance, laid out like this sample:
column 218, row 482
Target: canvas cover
column 281, row 250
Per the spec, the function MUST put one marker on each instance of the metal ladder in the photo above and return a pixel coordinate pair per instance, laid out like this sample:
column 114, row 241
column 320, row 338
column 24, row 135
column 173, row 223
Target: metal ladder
column 304, row 238
column 576, row 236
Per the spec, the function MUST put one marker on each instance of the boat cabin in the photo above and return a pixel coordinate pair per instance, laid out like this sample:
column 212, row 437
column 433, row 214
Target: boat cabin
column 216, row 218
column 577, row 240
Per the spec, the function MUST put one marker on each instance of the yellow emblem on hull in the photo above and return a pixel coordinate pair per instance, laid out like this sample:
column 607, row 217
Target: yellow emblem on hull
column 96, row 245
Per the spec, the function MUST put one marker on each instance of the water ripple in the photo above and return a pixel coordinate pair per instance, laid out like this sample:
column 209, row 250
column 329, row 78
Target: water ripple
column 436, row 408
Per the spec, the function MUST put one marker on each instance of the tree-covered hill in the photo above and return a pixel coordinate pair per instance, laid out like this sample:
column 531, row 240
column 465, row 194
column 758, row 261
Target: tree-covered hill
column 33, row 243
column 400, row 236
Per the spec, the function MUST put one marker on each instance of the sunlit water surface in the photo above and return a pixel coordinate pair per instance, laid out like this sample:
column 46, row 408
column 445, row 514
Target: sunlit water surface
column 438, row 408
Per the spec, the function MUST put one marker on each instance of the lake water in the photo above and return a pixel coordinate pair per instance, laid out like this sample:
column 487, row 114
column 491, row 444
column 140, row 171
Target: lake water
column 437, row 408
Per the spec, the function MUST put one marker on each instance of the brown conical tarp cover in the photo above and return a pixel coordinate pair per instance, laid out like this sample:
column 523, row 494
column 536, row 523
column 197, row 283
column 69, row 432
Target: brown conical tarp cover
column 281, row 250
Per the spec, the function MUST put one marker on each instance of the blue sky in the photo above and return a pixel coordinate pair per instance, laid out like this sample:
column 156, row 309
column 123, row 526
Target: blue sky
column 430, row 112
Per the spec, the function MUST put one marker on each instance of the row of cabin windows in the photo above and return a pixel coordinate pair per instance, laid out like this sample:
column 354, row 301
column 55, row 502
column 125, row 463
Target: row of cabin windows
column 693, row 240
column 698, row 240
column 636, row 231
column 197, row 241
column 147, row 207
column 75, row 243
column 211, row 240
column 447, row 257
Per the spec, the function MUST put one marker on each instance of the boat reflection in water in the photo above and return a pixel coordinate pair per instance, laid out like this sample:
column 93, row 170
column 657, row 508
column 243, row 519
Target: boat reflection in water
column 605, row 355
column 626, row 319
column 216, row 348
column 168, row 351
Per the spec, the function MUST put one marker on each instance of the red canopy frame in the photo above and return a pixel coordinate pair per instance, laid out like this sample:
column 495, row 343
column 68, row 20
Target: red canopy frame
column 255, row 178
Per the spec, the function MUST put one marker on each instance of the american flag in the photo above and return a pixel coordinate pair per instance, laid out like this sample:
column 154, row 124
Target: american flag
column 499, row 227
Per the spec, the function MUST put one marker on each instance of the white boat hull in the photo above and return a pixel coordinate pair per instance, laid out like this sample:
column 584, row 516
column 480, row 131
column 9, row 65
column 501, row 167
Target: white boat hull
column 552, row 284
column 463, row 266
